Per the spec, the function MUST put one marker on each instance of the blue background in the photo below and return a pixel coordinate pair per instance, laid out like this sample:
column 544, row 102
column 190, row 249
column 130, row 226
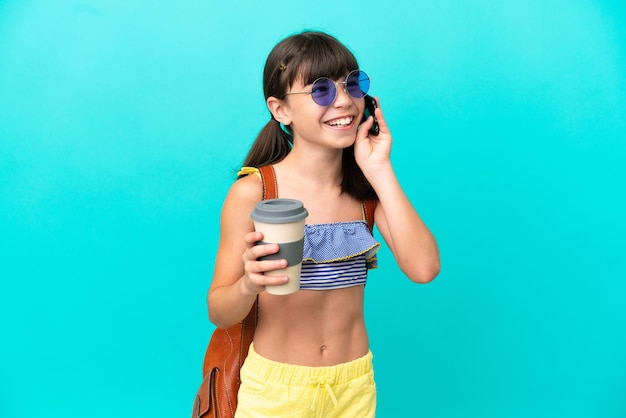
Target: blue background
column 121, row 125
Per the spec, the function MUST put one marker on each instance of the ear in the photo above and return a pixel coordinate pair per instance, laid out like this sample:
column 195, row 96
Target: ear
column 279, row 110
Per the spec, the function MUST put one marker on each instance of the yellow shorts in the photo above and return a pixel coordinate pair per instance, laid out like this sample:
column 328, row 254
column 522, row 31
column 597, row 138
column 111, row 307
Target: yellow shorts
column 272, row 389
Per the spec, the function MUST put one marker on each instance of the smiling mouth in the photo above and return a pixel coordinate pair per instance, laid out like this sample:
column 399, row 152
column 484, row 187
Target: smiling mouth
column 341, row 122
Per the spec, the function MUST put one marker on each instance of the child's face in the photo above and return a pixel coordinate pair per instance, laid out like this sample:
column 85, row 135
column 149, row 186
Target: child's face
column 335, row 125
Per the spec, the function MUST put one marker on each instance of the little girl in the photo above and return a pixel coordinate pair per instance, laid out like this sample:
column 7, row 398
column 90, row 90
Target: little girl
column 310, row 356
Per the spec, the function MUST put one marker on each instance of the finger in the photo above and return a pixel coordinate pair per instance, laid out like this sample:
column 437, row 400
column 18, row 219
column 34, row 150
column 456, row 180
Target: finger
column 252, row 238
column 271, row 280
column 261, row 250
column 259, row 271
column 252, row 254
column 259, row 274
column 265, row 273
column 364, row 128
column 257, row 262
column 265, row 266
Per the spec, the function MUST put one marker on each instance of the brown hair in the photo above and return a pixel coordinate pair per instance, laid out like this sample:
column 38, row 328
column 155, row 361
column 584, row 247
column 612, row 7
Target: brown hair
column 305, row 56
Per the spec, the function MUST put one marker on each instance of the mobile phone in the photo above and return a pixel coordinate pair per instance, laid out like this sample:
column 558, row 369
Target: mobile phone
column 370, row 105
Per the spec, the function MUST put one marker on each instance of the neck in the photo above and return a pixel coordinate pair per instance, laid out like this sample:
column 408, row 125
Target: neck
column 322, row 168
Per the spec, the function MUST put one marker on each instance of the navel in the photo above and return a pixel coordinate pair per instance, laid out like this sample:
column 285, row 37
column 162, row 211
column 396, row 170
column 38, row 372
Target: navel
column 323, row 348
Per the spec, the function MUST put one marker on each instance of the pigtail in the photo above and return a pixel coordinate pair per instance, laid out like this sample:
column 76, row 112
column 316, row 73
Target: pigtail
column 271, row 145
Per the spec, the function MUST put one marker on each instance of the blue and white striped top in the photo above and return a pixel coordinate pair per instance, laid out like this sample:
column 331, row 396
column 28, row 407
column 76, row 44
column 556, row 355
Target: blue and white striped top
column 337, row 255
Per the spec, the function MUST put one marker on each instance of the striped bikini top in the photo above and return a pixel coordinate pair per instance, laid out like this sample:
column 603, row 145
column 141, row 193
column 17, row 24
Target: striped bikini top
column 336, row 255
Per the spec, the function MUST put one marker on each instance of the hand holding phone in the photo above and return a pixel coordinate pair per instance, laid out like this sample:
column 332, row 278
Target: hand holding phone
column 370, row 106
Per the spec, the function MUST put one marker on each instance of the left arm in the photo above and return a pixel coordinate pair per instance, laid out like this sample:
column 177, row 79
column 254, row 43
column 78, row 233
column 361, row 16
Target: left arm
column 411, row 242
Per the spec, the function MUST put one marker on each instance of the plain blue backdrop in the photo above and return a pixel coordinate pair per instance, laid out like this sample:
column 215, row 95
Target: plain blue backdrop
column 121, row 126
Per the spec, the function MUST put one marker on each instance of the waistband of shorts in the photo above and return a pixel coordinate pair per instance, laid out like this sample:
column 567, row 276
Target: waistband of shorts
column 293, row 374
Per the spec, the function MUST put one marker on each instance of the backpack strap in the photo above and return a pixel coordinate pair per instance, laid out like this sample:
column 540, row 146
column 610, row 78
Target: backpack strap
column 369, row 206
column 270, row 186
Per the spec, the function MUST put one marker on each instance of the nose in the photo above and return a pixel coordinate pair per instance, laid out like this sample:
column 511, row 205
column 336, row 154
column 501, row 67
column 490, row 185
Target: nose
column 343, row 98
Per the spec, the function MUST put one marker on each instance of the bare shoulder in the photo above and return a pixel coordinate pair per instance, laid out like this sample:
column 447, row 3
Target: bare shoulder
column 244, row 194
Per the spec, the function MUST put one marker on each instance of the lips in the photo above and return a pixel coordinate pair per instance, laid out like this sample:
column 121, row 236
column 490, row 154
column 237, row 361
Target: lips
column 340, row 122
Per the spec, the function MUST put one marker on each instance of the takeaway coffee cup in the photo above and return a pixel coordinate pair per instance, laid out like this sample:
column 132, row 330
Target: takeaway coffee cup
column 282, row 222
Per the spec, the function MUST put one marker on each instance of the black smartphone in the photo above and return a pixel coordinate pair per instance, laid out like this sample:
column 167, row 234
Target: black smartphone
column 370, row 105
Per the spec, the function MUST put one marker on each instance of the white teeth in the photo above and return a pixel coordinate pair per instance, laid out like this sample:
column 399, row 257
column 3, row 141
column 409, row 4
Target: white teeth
column 341, row 121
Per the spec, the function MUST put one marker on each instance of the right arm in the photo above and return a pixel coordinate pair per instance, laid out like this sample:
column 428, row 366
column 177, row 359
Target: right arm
column 238, row 276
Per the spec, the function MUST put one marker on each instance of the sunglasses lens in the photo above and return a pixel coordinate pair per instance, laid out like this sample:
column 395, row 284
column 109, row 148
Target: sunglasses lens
column 357, row 84
column 323, row 91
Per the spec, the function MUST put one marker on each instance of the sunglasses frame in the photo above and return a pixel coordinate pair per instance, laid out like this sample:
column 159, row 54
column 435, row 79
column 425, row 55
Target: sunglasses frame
column 334, row 83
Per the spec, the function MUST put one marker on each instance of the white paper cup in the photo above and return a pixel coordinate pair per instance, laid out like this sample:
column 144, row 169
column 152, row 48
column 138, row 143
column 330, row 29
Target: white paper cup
column 282, row 222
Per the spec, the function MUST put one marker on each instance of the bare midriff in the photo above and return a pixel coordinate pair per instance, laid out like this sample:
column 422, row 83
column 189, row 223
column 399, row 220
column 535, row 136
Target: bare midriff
column 312, row 328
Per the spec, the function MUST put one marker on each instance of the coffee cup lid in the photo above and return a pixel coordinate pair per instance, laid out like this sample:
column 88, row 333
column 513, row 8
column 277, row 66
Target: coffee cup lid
column 279, row 211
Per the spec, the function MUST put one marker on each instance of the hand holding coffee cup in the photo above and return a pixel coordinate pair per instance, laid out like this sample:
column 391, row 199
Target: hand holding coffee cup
column 282, row 222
